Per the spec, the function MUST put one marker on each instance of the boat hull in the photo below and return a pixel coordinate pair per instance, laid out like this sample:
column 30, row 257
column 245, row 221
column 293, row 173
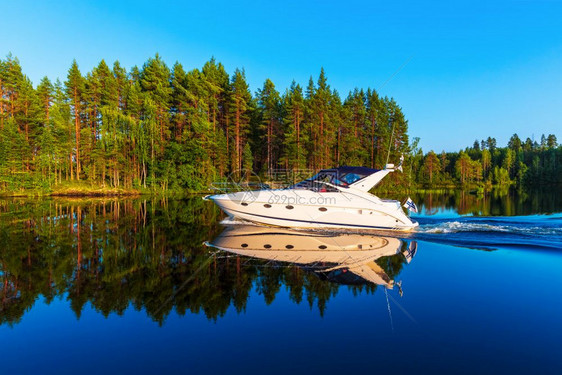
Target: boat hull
column 304, row 209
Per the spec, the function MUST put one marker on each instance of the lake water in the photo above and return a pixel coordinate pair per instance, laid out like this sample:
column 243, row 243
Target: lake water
column 164, row 286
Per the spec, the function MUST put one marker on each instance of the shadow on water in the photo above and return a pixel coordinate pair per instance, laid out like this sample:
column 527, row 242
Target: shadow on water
column 113, row 254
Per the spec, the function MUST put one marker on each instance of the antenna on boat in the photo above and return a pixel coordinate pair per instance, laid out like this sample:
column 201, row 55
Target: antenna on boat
column 390, row 143
column 399, row 168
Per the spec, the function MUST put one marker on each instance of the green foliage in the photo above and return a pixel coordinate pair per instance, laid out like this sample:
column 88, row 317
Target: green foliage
column 295, row 137
column 523, row 164
column 431, row 166
column 175, row 130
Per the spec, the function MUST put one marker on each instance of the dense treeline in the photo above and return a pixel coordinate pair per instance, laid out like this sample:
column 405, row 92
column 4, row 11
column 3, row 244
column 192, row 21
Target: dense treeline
column 501, row 201
column 524, row 164
column 165, row 128
column 148, row 254
column 168, row 129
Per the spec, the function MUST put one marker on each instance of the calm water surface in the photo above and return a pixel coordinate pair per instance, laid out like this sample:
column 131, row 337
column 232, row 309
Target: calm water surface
column 145, row 286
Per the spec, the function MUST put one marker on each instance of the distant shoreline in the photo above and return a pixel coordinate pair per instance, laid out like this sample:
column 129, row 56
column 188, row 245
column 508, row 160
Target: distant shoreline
column 100, row 192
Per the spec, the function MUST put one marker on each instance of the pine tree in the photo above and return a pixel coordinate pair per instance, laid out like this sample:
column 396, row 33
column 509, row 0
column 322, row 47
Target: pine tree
column 486, row 162
column 463, row 168
column 240, row 108
column 551, row 141
column 248, row 160
column 351, row 130
column 508, row 160
column 13, row 78
column 74, row 90
column 60, row 122
column 155, row 81
column 295, row 137
column 3, row 92
column 374, row 114
column 217, row 82
column 217, row 88
column 139, row 135
column 309, row 125
column 28, row 117
column 45, row 94
column 431, row 166
column 320, row 120
column 398, row 127
column 269, row 102
column 514, row 143
column 47, row 155
column 46, row 140
column 180, row 100
column 121, row 84
column 13, row 154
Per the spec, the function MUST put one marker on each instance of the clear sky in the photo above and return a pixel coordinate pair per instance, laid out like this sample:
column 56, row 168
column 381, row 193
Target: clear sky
column 470, row 69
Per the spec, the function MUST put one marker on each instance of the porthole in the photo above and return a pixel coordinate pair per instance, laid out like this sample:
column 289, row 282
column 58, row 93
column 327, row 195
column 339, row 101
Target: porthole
column 267, row 205
column 267, row 246
column 244, row 204
column 289, row 247
column 244, row 245
column 323, row 209
column 289, row 207
column 322, row 247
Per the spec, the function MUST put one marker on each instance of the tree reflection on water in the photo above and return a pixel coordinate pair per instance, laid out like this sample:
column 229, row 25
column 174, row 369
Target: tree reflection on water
column 149, row 254
column 498, row 202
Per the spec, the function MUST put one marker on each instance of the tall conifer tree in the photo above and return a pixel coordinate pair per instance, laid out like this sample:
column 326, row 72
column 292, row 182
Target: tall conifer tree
column 74, row 90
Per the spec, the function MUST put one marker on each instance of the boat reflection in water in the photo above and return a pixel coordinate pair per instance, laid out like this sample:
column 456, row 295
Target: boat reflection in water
column 344, row 258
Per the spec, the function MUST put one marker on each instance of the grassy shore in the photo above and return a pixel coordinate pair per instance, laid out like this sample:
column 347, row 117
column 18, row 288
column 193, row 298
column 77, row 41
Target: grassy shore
column 86, row 189
column 74, row 189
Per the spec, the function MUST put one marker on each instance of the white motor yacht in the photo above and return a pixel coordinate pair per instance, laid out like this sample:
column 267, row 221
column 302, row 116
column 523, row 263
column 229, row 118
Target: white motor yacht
column 344, row 258
column 333, row 198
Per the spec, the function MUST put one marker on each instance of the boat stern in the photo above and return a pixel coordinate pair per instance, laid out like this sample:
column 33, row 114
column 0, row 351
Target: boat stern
column 403, row 221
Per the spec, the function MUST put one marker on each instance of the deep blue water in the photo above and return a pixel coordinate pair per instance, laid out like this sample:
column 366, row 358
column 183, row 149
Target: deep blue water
column 531, row 232
column 480, row 295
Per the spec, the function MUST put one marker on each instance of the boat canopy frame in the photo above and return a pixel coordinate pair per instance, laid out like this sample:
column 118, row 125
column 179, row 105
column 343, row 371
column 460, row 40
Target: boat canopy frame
column 327, row 179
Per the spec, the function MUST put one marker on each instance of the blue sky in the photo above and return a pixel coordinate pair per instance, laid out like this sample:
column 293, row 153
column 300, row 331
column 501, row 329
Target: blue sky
column 472, row 69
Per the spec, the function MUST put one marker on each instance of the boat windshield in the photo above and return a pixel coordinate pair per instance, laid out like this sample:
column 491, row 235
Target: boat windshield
column 342, row 177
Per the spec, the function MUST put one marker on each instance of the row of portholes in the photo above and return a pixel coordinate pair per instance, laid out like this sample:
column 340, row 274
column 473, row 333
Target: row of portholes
column 268, row 246
column 289, row 207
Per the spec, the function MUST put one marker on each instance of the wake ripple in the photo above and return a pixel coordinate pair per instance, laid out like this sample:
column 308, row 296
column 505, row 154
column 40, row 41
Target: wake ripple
column 493, row 232
column 486, row 233
column 458, row 226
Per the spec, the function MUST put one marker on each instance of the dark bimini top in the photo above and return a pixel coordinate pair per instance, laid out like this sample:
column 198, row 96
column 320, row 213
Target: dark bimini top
column 341, row 176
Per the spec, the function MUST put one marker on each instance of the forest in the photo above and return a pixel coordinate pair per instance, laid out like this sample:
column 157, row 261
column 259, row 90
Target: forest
column 157, row 129
column 524, row 164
